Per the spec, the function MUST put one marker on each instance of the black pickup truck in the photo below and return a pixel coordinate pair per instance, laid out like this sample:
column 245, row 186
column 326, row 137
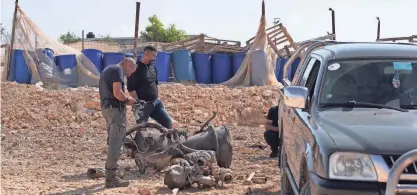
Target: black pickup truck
column 347, row 115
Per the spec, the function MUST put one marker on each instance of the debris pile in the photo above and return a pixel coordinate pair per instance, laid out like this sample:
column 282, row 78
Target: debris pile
column 32, row 107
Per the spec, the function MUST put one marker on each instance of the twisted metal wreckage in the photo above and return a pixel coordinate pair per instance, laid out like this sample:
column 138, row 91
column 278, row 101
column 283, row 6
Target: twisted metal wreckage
column 203, row 158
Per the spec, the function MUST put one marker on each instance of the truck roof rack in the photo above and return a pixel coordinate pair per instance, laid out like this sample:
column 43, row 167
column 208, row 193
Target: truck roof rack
column 309, row 46
column 302, row 49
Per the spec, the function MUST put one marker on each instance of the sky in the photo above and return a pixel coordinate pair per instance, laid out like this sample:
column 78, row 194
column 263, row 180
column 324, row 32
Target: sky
column 223, row 19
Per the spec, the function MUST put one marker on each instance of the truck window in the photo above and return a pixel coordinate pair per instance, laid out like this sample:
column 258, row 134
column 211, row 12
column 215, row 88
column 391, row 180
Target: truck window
column 374, row 81
column 307, row 71
column 309, row 78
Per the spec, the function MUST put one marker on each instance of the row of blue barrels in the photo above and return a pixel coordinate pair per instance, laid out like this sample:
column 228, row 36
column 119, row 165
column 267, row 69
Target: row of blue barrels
column 102, row 60
column 218, row 67
column 19, row 71
column 200, row 67
column 205, row 68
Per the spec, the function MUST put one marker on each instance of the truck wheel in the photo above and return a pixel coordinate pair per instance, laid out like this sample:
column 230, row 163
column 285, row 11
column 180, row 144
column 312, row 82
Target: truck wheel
column 285, row 183
column 305, row 190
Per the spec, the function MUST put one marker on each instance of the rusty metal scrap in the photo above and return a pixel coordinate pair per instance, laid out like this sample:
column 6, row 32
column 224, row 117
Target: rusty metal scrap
column 183, row 165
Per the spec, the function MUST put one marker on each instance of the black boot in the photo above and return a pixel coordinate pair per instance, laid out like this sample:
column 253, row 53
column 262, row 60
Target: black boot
column 274, row 152
column 113, row 181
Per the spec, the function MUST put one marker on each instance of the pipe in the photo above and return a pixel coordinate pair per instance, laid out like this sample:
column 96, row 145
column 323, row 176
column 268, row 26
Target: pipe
column 82, row 40
column 9, row 65
column 378, row 30
column 396, row 171
column 135, row 44
column 333, row 23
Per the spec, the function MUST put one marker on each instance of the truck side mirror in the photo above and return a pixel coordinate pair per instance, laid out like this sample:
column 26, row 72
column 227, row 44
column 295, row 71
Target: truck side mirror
column 295, row 96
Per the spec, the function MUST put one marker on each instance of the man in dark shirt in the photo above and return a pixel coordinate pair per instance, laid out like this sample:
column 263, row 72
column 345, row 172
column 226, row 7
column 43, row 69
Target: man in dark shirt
column 143, row 86
column 271, row 134
column 113, row 101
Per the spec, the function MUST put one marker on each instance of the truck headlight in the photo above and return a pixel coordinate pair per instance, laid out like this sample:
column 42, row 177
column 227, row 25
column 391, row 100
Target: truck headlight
column 351, row 166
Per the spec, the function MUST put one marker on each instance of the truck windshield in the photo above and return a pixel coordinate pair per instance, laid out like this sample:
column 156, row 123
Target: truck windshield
column 392, row 83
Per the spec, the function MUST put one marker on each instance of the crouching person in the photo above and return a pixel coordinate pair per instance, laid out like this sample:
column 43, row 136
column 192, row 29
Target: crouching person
column 271, row 133
column 113, row 101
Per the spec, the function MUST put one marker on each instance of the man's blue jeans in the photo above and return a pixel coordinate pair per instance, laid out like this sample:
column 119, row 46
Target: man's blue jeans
column 156, row 110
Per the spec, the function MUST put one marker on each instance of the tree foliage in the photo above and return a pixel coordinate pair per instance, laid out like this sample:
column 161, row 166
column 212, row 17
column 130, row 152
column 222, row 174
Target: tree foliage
column 107, row 38
column 69, row 37
column 156, row 32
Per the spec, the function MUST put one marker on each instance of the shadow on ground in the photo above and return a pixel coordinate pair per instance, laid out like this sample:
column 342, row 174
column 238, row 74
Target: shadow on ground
column 193, row 189
column 85, row 190
column 261, row 192
column 75, row 178
column 130, row 175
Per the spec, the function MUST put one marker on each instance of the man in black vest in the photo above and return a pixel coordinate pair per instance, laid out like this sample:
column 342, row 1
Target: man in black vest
column 113, row 101
column 143, row 86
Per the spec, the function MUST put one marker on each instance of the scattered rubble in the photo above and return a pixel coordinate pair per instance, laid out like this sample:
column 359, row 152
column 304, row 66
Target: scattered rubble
column 51, row 137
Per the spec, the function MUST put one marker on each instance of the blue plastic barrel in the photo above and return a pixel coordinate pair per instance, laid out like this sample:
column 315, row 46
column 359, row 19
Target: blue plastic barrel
column 128, row 55
column 49, row 52
column 162, row 64
column 293, row 68
column 279, row 71
column 202, row 67
column 20, row 71
column 182, row 65
column 95, row 56
column 221, row 67
column 140, row 55
column 237, row 60
column 66, row 61
column 110, row 58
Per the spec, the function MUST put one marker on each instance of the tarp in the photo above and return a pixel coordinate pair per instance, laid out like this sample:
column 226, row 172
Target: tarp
column 259, row 64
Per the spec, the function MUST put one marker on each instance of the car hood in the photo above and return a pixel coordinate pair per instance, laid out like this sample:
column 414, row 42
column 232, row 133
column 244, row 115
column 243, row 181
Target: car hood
column 371, row 131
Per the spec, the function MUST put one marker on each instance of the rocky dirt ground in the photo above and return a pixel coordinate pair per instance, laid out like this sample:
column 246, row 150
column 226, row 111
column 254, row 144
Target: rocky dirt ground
column 50, row 138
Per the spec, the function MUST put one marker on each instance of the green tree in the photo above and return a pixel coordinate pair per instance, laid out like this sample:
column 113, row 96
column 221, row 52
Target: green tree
column 69, row 37
column 156, row 32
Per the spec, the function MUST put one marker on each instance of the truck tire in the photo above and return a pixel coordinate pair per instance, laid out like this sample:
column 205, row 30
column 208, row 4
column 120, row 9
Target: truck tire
column 285, row 183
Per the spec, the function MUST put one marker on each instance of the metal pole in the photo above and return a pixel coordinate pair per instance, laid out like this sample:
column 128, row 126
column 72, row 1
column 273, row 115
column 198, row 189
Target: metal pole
column 378, row 30
column 396, row 171
column 9, row 64
column 82, row 40
column 135, row 44
column 333, row 23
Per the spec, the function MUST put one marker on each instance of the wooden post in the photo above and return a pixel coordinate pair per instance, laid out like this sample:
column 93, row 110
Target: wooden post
column 82, row 40
column 263, row 7
column 135, row 44
column 378, row 30
column 9, row 64
column 333, row 23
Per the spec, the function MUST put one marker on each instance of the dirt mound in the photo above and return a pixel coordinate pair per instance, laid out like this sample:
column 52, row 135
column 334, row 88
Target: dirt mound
column 32, row 107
